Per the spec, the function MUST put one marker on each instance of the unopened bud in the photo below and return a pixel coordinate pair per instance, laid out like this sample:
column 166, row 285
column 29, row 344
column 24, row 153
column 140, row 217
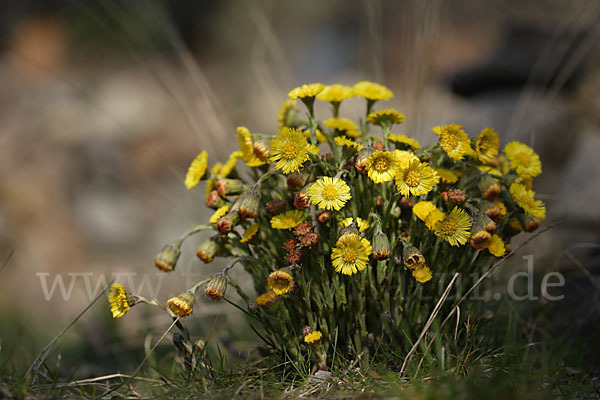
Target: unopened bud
column 261, row 151
column 327, row 157
column 296, row 181
column 229, row 186
column 412, row 257
column 214, row 200
column 488, row 224
column 306, row 330
column 323, row 216
column 379, row 146
column 491, row 210
column 215, row 289
column 276, row 206
column 514, row 227
column 301, row 201
column 247, row 205
column 490, row 189
column 381, row 246
column 228, row 222
column 531, row 223
column 181, row 305
column 168, row 256
column 361, row 159
column 207, row 250
column 480, row 237
column 407, row 202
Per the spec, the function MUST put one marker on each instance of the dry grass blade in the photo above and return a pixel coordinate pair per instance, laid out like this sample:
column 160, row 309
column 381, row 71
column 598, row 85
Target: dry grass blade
column 39, row 360
column 7, row 260
column 434, row 314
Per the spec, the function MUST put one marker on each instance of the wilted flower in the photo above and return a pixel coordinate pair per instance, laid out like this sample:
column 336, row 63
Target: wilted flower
column 214, row 200
column 301, row 200
column 267, row 300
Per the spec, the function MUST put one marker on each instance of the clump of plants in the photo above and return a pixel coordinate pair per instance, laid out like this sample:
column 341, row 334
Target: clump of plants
column 349, row 230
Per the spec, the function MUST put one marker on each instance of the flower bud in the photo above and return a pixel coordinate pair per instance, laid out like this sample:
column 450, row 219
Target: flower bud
column 261, row 151
column 327, row 157
column 480, row 238
column 228, row 222
column 486, row 221
column 407, row 202
column 378, row 146
column 301, row 201
column 306, row 330
column 381, row 246
column 490, row 189
column 181, row 305
column 229, row 186
column 215, row 289
column 294, row 257
column 290, row 245
column 491, row 210
column 323, row 216
column 303, row 229
column 168, row 256
column 514, row 227
column 247, row 205
column 267, row 300
column 531, row 223
column 361, row 159
column 280, row 282
column 296, row 181
column 207, row 250
column 309, row 240
column 412, row 257
column 276, row 206
column 214, row 200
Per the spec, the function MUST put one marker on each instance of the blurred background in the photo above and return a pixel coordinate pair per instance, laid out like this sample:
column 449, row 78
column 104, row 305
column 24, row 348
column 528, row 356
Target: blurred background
column 103, row 105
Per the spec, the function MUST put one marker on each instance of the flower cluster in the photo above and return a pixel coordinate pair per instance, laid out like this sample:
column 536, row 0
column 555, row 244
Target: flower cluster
column 348, row 230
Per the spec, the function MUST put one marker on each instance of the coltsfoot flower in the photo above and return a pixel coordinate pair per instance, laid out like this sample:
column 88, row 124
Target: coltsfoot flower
column 372, row 91
column 351, row 254
column 344, row 141
column 422, row 274
column 208, row 250
column 454, row 141
column 385, row 117
column 215, row 289
column 288, row 219
column 267, row 300
column 250, row 233
column 253, row 154
column 329, row 193
column 221, row 211
column 280, row 282
column 120, row 301
column 168, row 256
column 446, row 176
column 525, row 198
column 361, row 224
column 335, row 93
column 341, row 124
column 181, row 305
column 313, row 337
column 455, row 228
column 382, row 166
column 496, row 246
column 304, row 91
column 196, row 170
column 417, row 179
column 403, row 139
column 523, row 159
column 487, row 145
column 289, row 149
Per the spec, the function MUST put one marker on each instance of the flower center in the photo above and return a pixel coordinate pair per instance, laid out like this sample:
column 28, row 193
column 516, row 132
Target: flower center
column 528, row 200
column 381, row 164
column 448, row 228
column 349, row 255
column 449, row 142
column 329, row 193
column 290, row 150
column 523, row 159
column 412, row 178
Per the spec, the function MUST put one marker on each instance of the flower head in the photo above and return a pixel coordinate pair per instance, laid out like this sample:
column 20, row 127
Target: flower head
column 422, row 209
column 313, row 337
column 207, row 250
column 412, row 257
column 362, row 224
column 405, row 158
column 344, row 141
column 215, row 289
column 382, row 166
column 372, row 91
column 340, row 124
column 403, row 139
column 487, row 145
column 454, row 141
column 287, row 112
column 267, row 300
column 417, row 179
column 120, row 301
column 329, row 193
column 289, row 149
column 526, row 200
column 250, row 233
column 382, row 248
column 455, row 228
column 523, row 159
column 221, row 211
column 168, row 257
column 196, row 170
column 280, row 282
column 181, row 305
column 496, row 246
column 388, row 117
column 422, row 274
column 252, row 155
column 335, row 93
column 304, row 91
column 287, row 220
column 446, row 176
column 350, row 254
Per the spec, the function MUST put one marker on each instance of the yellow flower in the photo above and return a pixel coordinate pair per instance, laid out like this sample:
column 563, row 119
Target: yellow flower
column 336, row 93
column 422, row 209
column 487, row 145
column 250, row 233
column 435, row 216
column 446, row 176
column 118, row 300
column 287, row 220
column 525, row 199
column 196, row 170
column 247, row 148
column 362, row 224
column 496, row 246
column 382, row 166
column 229, row 165
column 181, row 305
column 268, row 299
column 454, row 141
column 286, row 112
column 372, row 91
column 404, row 158
column 310, row 90
column 341, row 124
column 523, row 159
column 221, row 211
column 399, row 138
column 350, row 254
column 417, row 179
column 489, row 170
column 344, row 141
column 329, row 193
column 280, row 282
column 320, row 137
column 501, row 206
column 422, row 274
column 455, row 227
column 313, row 337
column 290, row 149
column 388, row 116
